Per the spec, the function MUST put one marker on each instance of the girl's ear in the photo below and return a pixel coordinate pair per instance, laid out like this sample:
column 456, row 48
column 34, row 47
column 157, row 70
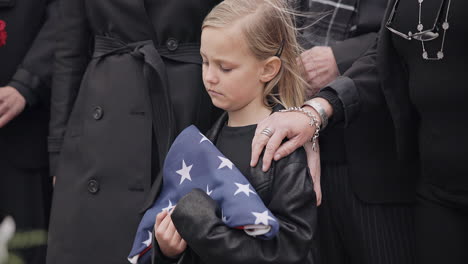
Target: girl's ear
column 271, row 67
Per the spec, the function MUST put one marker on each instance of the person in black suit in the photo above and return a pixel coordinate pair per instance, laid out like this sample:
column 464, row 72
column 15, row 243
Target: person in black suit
column 25, row 71
column 400, row 103
column 354, row 223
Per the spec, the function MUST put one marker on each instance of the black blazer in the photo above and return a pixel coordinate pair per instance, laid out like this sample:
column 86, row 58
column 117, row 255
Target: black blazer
column 26, row 63
column 380, row 124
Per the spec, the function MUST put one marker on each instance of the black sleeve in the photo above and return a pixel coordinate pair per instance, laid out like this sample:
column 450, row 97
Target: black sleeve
column 32, row 79
column 358, row 88
column 72, row 57
column 349, row 50
column 293, row 204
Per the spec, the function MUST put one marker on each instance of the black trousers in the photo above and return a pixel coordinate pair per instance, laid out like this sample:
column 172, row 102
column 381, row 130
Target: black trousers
column 441, row 228
column 352, row 231
column 25, row 194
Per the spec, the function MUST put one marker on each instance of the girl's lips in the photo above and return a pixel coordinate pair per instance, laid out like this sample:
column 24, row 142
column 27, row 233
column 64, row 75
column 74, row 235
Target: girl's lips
column 212, row 92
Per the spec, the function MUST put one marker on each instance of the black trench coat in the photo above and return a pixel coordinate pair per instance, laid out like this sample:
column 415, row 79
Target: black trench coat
column 125, row 70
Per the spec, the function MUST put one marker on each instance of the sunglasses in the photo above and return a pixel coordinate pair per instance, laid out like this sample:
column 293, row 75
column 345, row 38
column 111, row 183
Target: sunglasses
column 424, row 35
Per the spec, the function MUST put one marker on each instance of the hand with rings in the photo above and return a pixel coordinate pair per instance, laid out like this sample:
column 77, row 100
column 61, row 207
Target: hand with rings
column 270, row 134
column 267, row 132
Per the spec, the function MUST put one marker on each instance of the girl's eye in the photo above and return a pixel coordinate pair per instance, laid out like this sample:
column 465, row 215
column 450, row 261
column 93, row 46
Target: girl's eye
column 224, row 69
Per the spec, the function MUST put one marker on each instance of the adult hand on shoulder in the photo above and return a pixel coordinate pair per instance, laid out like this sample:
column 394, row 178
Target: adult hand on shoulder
column 321, row 68
column 169, row 240
column 12, row 103
column 292, row 125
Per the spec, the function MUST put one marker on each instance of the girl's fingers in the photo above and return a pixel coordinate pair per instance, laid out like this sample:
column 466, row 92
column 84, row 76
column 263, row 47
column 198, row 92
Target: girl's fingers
column 159, row 218
column 182, row 245
column 170, row 229
column 176, row 238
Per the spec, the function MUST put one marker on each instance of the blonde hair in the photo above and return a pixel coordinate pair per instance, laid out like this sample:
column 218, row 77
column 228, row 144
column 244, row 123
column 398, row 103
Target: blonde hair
column 268, row 27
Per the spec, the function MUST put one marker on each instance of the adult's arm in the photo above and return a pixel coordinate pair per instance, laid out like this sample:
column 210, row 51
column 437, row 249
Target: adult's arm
column 33, row 77
column 71, row 59
column 31, row 82
column 357, row 90
column 350, row 50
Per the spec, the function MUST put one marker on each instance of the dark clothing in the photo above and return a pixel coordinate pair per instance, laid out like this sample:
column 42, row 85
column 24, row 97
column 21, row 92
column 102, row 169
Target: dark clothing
column 362, row 218
column 386, row 83
column 26, row 65
column 286, row 189
column 411, row 114
column 347, row 26
column 352, row 231
column 437, row 94
column 442, row 229
column 379, row 155
column 26, row 195
column 142, row 78
column 350, row 30
column 234, row 143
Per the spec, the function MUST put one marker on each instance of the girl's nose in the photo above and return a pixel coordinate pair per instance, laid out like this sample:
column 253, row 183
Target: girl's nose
column 210, row 74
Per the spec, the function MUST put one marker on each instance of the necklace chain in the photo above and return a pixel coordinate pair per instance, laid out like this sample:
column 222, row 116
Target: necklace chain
column 445, row 27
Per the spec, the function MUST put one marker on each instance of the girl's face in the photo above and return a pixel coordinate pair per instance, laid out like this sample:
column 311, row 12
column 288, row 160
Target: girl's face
column 232, row 75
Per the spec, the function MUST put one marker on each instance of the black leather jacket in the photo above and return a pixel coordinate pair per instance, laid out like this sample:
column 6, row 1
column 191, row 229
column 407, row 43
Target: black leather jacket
column 286, row 189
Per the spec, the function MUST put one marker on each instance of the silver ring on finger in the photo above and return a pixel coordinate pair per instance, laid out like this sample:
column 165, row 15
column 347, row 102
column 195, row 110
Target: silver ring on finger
column 267, row 132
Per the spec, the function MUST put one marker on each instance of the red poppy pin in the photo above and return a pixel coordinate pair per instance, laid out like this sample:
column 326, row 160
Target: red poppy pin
column 3, row 33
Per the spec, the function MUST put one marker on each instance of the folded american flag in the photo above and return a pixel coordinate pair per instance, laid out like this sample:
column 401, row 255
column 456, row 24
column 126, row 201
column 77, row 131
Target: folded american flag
column 194, row 162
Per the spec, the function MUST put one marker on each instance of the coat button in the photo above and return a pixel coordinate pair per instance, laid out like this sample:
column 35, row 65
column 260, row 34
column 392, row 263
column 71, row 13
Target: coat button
column 98, row 113
column 93, row 186
column 172, row 44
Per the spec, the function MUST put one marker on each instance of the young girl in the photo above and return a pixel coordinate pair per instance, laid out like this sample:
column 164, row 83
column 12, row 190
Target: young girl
column 249, row 53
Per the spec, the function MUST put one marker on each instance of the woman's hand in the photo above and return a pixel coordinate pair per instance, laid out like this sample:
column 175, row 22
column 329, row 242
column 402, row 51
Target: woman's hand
column 293, row 125
column 169, row 240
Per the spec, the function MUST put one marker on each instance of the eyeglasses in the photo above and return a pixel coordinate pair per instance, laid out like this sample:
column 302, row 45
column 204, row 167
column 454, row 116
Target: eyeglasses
column 424, row 35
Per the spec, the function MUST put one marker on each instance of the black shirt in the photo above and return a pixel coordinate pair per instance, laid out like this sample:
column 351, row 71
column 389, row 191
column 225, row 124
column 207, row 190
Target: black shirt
column 236, row 144
column 438, row 90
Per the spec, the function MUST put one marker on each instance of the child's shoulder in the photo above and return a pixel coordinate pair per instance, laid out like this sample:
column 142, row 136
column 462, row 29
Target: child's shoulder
column 298, row 156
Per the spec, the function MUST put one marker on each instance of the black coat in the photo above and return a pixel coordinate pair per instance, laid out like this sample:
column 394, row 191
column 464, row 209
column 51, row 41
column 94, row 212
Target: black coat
column 142, row 77
column 380, row 124
column 26, row 64
column 286, row 189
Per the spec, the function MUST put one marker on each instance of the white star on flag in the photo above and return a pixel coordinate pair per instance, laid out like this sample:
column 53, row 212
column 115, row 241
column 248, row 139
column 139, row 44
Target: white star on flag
column 262, row 218
column 243, row 188
column 148, row 242
column 184, row 172
column 169, row 207
column 208, row 190
column 203, row 138
column 134, row 260
column 224, row 163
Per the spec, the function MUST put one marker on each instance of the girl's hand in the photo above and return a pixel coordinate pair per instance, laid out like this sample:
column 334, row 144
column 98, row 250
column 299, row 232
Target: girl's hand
column 169, row 240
